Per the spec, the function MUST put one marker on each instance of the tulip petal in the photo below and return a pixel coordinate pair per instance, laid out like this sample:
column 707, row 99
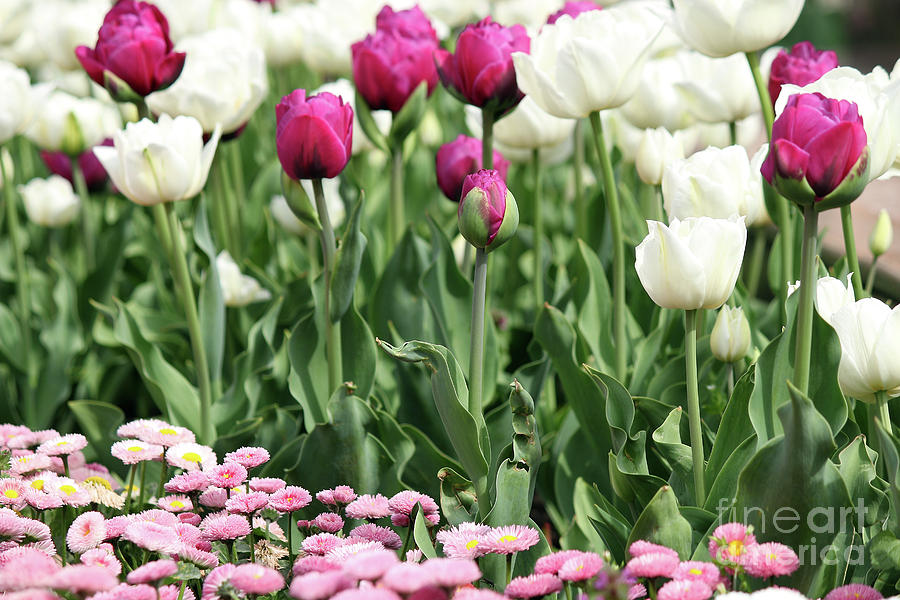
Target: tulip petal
column 537, row 84
column 832, row 154
column 672, row 276
column 791, row 161
column 719, row 245
column 109, row 158
column 859, row 326
column 885, row 368
column 309, row 149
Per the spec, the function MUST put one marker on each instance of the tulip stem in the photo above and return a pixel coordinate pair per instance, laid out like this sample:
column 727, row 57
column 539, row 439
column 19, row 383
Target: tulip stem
column 754, row 268
column 765, row 100
column 884, row 413
column 162, row 226
column 183, row 282
column 581, row 218
column 87, row 225
column 870, row 279
column 807, row 295
column 487, row 138
column 332, row 329
column 693, row 401
column 538, row 230
column 397, row 208
column 476, row 360
column 615, row 218
column 850, row 248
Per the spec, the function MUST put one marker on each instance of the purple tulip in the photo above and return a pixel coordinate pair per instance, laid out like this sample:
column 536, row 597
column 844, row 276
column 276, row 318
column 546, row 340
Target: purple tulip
column 411, row 23
column 60, row 164
column 804, row 64
column 459, row 158
column 488, row 215
column 134, row 48
column 573, row 9
column 313, row 135
column 388, row 67
column 817, row 144
column 481, row 71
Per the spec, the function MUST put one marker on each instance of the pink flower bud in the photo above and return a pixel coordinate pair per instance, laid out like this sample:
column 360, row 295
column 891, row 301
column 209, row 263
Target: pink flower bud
column 411, row 23
column 488, row 215
column 388, row 67
column 459, row 158
column 802, row 65
column 313, row 135
column 94, row 174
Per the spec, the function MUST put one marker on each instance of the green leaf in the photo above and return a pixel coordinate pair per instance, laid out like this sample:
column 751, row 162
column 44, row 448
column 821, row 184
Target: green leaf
column 458, row 500
column 347, row 262
column 735, row 426
column 662, row 523
column 369, row 127
column 668, row 440
column 422, row 537
column 884, row 550
column 593, row 304
column 619, row 407
column 407, row 119
column 600, row 522
column 358, row 352
column 11, row 338
column 857, row 467
column 306, row 351
column 98, row 421
column 299, row 202
column 421, row 470
column 211, row 302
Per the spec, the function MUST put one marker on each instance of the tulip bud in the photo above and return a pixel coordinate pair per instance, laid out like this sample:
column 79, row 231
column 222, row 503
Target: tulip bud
column 832, row 295
column 454, row 160
column 868, row 331
column 59, row 163
column 237, row 289
column 658, row 148
column 882, row 234
column 314, row 135
column 488, row 214
column 730, row 338
column 50, row 202
column 802, row 65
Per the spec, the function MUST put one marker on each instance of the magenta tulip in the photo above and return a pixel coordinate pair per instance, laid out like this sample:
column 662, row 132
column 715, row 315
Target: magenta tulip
column 481, row 71
column 411, row 23
column 818, row 151
column 488, row 215
column 573, row 9
column 313, row 135
column 459, row 158
column 388, row 67
column 802, row 65
column 133, row 48
column 60, row 164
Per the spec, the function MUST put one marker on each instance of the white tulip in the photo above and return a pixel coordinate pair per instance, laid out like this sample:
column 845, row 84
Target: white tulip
column 223, row 82
column 550, row 155
column 16, row 101
column 285, row 217
column 531, row 14
column 72, row 125
column 832, row 295
column 658, row 102
column 730, row 337
column 186, row 18
column 159, row 162
column 527, row 126
column 593, row 62
column 878, row 100
column 327, row 30
column 50, row 202
column 693, row 263
column 345, row 90
column 13, row 18
column 284, row 44
column 657, row 149
column 718, row 90
column 717, row 183
column 238, row 289
column 72, row 24
column 869, row 332
column 718, row 28
column 456, row 13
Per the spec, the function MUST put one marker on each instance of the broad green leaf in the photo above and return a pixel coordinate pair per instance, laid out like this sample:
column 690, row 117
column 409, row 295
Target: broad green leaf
column 458, row 501
column 98, row 421
column 358, row 352
column 856, row 463
column 367, row 122
column 667, row 438
column 211, row 302
column 662, row 523
column 421, row 535
column 307, row 383
column 735, row 426
column 593, row 302
column 347, row 263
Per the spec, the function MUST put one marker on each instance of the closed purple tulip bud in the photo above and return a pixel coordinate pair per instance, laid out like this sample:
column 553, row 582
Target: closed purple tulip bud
column 388, row 67
column 481, row 70
column 488, row 215
column 459, row 158
column 802, row 65
column 411, row 23
column 313, row 135
column 60, row 164
column 134, row 54
column 573, row 9
column 818, row 152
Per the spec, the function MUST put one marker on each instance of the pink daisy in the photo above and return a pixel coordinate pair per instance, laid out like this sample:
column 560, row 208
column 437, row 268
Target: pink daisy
column 581, row 567
column 12, row 493
column 215, row 579
column 213, row 497
column 471, row 593
column 101, row 558
column 684, row 590
column 132, row 452
column 139, row 427
column 368, row 506
column 289, row 499
column 248, row 456
column 28, row 463
column 414, row 555
column 115, row 526
column 173, row 592
column 87, row 531
column 695, row 570
column 152, row 536
column 62, row 445
column 34, row 531
column 653, row 564
column 319, row 585
column 166, row 435
column 342, row 494
column 226, row 475
column 452, row 572
column 370, row 565
column 190, row 518
column 246, row 504
column 329, row 522
column 123, row 591
column 175, row 504
column 152, row 571
column 313, row 564
column 40, row 500
column 350, row 548
column 192, row 481
column 854, row 591
column 769, row 559
column 269, row 485
column 191, row 457
column 406, row 578
column 510, row 538
column 533, row 586
column 401, row 505
column 256, row 579
column 25, row 567
column 637, row 591
column 728, row 543
column 375, row 533
column 641, row 547
column 189, row 534
column 83, row 579
column 9, row 431
column 551, row 563
column 67, row 490
column 156, row 515
column 366, row 594
column 321, row 543
column 464, row 540
column 225, row 527
column 199, row 557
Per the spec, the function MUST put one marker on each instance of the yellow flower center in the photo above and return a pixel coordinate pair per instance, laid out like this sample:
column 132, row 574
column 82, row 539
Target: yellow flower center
column 167, row 431
column 736, row 547
column 176, row 504
column 192, row 457
column 67, row 489
column 62, row 443
column 12, row 494
column 772, row 556
column 38, row 484
column 695, row 572
column 99, row 481
column 135, row 448
column 508, row 538
column 226, row 475
column 471, row 544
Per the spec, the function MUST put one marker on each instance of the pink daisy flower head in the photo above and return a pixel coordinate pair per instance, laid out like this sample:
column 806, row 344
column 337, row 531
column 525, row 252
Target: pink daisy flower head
column 225, row 527
column 246, row 504
column 313, row 564
column 83, row 579
column 256, row 579
column 340, row 495
column 131, row 452
column 854, row 591
column 201, row 558
column 152, row 571
column 319, row 585
column 414, row 555
column 173, row 592
column 101, row 558
column 156, row 515
column 406, row 578
column 248, row 456
column 67, row 490
column 551, row 563
column 215, row 580
column 175, row 504
column 368, row 506
column 27, row 463
column 152, row 536
column 329, row 522
column 12, row 493
column 370, row 565
column 115, row 526
column 269, row 485
column 770, row 559
column 40, row 500
column 87, row 531
column 452, row 572
column 464, row 540
column 471, row 593
column 350, row 548
column 227, row 475
column 213, row 497
column 375, row 533
column 728, row 543
column 289, row 499
column 402, row 503
column 640, row 547
column 191, row 457
column 9, row 431
column 581, row 567
column 321, row 543
column 139, row 427
column 190, row 518
column 533, row 586
column 684, row 590
column 166, row 435
column 637, row 591
column 192, row 481
column 695, row 570
column 652, row 564
column 367, row 593
column 510, row 538
column 62, row 445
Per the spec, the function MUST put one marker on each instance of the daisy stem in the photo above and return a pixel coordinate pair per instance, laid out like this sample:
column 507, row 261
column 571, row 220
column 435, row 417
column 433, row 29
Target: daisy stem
column 130, row 488
column 291, row 528
column 693, row 400
column 332, row 328
column 252, row 548
column 162, row 480
column 509, row 558
column 850, row 248
column 397, row 216
column 65, row 461
column 143, row 480
column 568, row 587
column 618, row 242
column 807, row 296
column 181, row 591
column 538, row 230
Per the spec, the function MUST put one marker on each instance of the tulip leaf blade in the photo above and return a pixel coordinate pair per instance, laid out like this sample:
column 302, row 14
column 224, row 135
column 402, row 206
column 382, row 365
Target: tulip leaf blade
column 662, row 523
column 369, row 127
column 347, row 263
column 211, row 301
